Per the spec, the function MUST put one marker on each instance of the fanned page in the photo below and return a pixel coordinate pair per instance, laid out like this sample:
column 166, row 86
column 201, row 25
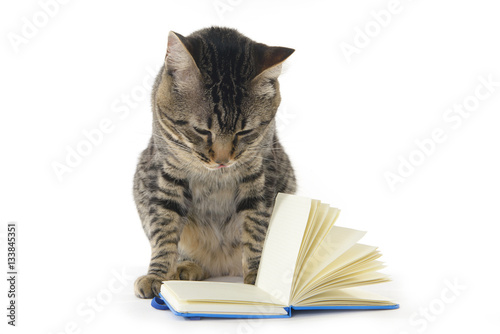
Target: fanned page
column 330, row 261
column 355, row 267
column 346, row 297
column 317, row 210
column 358, row 256
column 318, row 227
column 281, row 247
column 337, row 241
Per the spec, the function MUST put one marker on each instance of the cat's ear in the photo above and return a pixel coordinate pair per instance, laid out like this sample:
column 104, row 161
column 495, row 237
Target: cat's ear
column 268, row 60
column 179, row 62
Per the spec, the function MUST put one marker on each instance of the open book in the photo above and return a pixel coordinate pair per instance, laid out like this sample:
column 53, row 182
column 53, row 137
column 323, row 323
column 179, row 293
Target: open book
column 307, row 263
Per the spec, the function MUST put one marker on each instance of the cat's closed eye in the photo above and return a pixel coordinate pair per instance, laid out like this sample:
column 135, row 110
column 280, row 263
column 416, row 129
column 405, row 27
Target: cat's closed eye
column 242, row 133
column 202, row 132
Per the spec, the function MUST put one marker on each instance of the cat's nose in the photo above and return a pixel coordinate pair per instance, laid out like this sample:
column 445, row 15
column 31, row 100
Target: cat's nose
column 221, row 157
column 221, row 152
column 222, row 161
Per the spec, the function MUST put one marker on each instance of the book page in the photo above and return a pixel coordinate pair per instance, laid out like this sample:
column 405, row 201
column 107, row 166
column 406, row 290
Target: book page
column 315, row 224
column 219, row 298
column 357, row 268
column 370, row 277
column 320, row 227
column 196, row 291
column 313, row 213
column 357, row 254
column 348, row 296
column 282, row 245
column 337, row 241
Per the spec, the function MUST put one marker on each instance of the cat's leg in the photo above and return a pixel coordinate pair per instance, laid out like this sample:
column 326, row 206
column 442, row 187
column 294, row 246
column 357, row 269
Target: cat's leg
column 163, row 216
column 254, row 212
column 163, row 239
column 256, row 204
column 255, row 223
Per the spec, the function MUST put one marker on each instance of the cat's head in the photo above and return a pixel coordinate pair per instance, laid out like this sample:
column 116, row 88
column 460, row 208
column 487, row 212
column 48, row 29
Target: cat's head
column 218, row 95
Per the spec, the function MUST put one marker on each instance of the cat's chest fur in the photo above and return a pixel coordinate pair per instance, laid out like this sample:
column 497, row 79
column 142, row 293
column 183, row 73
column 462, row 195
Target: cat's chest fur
column 212, row 233
column 213, row 200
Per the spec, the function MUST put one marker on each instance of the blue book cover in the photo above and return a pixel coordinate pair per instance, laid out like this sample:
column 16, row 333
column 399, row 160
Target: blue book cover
column 160, row 303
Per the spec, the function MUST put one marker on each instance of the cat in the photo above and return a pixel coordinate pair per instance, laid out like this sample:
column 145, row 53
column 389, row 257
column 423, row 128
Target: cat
column 206, row 183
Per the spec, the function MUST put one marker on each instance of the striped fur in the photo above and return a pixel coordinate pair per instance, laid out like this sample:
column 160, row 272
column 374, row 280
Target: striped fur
column 206, row 183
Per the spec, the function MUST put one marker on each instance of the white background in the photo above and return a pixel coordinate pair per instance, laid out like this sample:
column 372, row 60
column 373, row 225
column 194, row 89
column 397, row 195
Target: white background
column 344, row 125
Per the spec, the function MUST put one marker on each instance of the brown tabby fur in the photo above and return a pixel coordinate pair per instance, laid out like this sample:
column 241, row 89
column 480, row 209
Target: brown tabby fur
column 206, row 183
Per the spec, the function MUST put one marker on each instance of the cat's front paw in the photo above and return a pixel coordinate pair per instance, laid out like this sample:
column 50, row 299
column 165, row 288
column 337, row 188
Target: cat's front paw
column 190, row 271
column 250, row 277
column 147, row 286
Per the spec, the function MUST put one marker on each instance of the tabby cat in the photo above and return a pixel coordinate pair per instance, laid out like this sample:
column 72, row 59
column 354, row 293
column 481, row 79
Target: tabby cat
column 205, row 185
